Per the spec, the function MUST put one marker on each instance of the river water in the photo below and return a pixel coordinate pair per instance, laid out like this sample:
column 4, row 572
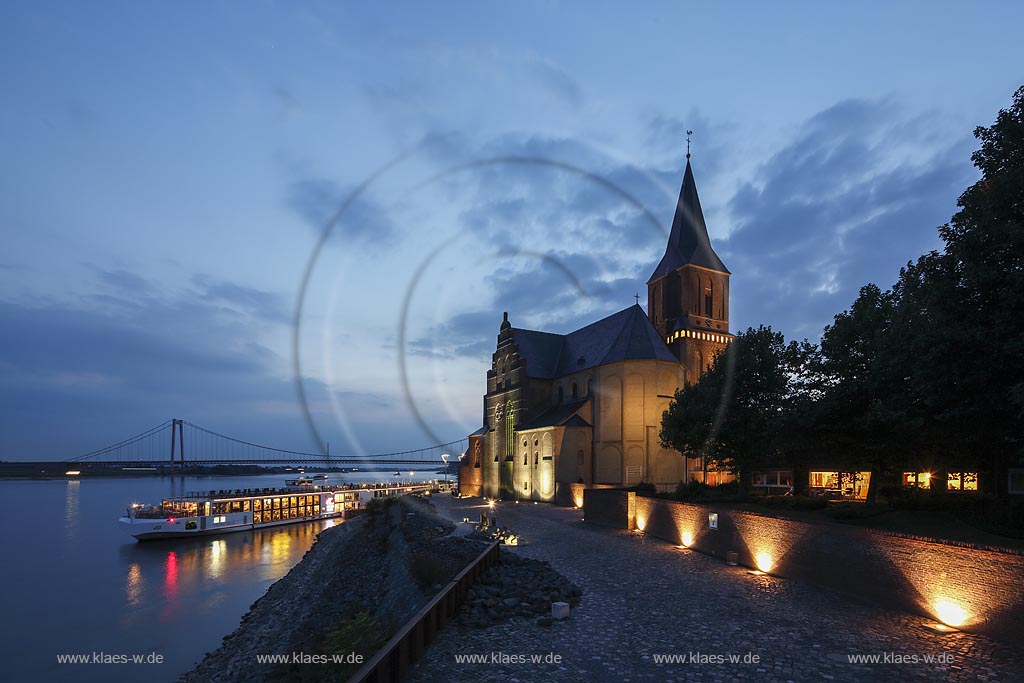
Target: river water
column 73, row 582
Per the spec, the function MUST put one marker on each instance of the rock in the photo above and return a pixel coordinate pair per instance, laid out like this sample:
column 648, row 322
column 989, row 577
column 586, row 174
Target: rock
column 511, row 602
column 545, row 621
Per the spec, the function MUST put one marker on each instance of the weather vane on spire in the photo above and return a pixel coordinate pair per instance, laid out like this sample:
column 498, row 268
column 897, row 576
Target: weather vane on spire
column 688, row 134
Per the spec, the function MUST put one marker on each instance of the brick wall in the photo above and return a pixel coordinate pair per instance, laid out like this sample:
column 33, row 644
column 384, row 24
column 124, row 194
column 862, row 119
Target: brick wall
column 939, row 580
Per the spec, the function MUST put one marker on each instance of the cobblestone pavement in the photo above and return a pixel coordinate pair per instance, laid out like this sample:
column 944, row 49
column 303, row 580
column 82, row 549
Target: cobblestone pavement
column 643, row 598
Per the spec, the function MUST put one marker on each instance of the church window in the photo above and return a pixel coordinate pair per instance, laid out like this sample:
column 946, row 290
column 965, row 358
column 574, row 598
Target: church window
column 575, row 391
column 560, row 392
column 590, row 387
column 526, row 457
column 536, row 458
column 709, row 297
column 510, row 429
column 579, row 457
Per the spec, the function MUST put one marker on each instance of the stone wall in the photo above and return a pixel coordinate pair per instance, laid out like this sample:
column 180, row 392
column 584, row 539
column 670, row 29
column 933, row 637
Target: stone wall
column 979, row 589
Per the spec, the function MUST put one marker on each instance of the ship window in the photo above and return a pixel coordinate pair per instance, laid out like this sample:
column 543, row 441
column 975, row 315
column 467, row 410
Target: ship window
column 245, row 506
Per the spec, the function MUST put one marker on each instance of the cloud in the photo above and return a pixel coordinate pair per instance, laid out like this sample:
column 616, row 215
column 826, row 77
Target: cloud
column 363, row 222
column 255, row 302
column 851, row 198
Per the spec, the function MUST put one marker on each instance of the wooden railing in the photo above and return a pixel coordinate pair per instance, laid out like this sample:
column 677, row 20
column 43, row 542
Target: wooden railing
column 393, row 661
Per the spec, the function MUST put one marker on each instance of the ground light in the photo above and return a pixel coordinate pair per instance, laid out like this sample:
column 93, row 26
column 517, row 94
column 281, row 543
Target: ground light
column 687, row 539
column 950, row 613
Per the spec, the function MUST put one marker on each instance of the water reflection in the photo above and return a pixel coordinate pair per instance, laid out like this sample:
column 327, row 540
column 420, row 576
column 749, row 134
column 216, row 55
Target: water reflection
column 72, row 493
column 133, row 584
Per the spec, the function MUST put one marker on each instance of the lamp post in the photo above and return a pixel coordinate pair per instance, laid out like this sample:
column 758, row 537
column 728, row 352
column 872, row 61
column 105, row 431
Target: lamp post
column 444, row 457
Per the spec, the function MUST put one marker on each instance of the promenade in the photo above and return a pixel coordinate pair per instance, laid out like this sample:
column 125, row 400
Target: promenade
column 644, row 600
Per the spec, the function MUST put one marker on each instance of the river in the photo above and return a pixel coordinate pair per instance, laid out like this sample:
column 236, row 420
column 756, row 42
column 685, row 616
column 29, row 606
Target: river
column 73, row 582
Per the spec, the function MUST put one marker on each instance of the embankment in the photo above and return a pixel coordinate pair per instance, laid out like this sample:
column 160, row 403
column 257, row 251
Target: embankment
column 358, row 583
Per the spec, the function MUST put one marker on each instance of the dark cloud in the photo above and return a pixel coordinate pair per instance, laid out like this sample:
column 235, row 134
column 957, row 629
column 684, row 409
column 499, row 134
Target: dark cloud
column 364, row 222
column 257, row 303
column 79, row 375
column 836, row 208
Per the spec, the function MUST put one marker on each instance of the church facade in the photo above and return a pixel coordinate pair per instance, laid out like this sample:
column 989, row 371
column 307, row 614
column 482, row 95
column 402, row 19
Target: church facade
column 586, row 407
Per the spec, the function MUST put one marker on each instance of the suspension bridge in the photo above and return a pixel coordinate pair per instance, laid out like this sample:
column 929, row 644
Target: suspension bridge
column 180, row 443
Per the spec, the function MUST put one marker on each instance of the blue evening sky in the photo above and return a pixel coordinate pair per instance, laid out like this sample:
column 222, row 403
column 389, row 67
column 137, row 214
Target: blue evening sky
column 168, row 168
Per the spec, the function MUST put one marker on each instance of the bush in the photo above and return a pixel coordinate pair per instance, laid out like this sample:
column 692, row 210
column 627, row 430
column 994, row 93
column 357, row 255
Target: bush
column 695, row 490
column 379, row 505
column 793, row 502
column 644, row 488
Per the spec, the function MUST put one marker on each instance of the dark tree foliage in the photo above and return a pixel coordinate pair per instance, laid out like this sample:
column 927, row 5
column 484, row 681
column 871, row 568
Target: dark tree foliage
column 732, row 415
column 927, row 375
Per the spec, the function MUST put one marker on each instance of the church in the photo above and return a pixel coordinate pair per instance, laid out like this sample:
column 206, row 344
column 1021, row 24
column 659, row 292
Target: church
column 585, row 408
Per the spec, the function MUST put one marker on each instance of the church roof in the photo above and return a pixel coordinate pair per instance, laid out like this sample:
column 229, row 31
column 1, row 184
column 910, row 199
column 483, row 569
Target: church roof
column 688, row 241
column 560, row 415
column 626, row 335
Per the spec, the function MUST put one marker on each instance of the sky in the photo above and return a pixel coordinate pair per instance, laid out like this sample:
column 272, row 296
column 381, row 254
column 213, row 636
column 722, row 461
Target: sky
column 205, row 205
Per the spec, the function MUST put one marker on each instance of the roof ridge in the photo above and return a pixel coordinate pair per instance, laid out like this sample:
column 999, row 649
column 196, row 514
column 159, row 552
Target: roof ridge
column 622, row 330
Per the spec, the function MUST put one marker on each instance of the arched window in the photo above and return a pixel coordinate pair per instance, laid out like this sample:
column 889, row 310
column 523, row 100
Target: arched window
column 575, row 391
column 536, row 458
column 590, row 387
column 709, row 298
column 560, row 393
column 526, row 457
column 510, row 430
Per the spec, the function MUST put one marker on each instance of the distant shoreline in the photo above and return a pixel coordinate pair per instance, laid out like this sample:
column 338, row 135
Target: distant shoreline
column 58, row 470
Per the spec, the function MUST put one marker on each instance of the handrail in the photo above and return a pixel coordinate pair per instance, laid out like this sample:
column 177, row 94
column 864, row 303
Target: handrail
column 394, row 659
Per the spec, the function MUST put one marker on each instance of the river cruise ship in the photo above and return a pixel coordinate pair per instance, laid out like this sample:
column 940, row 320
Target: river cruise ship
column 218, row 512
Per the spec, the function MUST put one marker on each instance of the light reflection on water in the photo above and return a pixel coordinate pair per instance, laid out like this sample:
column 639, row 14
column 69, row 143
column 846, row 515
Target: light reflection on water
column 112, row 594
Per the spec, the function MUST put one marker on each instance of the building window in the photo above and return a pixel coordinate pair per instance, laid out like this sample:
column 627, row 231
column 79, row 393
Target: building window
column 560, row 394
column 526, row 458
column 536, row 458
column 962, row 481
column 590, row 387
column 575, row 391
column 510, row 429
column 917, row 480
column 579, row 457
column 709, row 298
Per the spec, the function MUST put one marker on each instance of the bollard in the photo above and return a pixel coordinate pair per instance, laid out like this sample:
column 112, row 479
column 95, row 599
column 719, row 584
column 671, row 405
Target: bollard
column 559, row 610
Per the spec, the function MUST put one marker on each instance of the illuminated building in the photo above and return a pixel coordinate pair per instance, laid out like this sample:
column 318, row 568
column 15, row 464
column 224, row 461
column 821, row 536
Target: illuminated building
column 586, row 407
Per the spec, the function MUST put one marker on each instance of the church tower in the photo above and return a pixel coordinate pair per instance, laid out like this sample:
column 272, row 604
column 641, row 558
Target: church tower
column 688, row 293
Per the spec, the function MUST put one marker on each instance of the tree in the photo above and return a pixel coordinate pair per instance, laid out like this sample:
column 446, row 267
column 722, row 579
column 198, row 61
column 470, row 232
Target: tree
column 732, row 415
column 962, row 312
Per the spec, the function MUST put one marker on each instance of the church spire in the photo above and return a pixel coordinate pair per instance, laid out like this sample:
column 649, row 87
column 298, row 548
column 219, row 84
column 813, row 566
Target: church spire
column 688, row 241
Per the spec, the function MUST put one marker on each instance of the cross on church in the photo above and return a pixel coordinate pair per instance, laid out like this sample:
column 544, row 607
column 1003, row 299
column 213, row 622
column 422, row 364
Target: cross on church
column 688, row 134
column 637, row 297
